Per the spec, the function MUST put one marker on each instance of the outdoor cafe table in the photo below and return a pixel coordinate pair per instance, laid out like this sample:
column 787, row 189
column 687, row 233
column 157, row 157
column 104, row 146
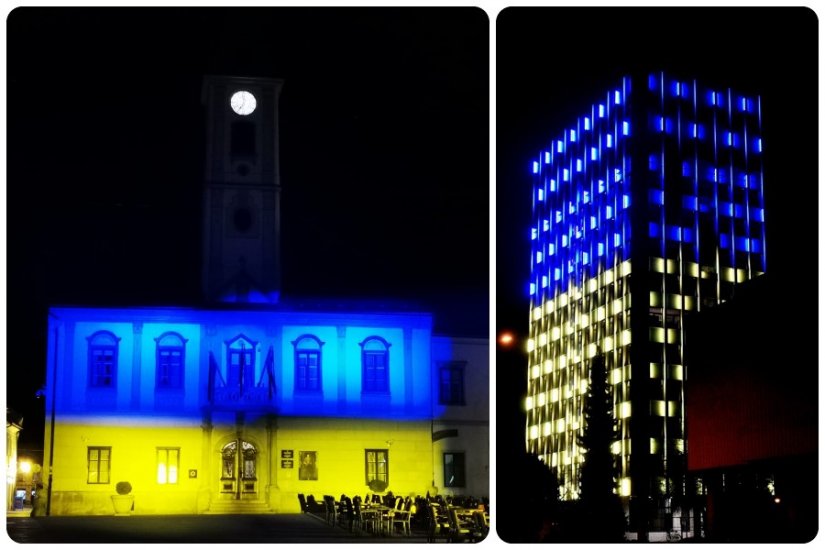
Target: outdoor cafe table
column 381, row 514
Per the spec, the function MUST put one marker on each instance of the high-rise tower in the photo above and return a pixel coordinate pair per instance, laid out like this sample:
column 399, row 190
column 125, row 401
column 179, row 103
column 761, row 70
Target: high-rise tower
column 648, row 208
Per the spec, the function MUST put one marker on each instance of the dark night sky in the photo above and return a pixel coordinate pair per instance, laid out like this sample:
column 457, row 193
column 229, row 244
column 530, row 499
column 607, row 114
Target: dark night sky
column 552, row 64
column 384, row 158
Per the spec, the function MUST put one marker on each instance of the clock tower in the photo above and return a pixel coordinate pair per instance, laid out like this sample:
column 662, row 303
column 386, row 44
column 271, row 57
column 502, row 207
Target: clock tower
column 241, row 239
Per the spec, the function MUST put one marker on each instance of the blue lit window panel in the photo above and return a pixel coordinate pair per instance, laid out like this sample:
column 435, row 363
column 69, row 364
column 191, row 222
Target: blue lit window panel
column 564, row 241
column 556, row 273
column 552, row 185
column 539, row 257
column 738, row 211
column 601, row 111
column 608, row 212
column 169, row 361
column 308, row 364
column 757, row 145
column 600, row 249
column 585, row 258
column 594, row 153
column 625, row 128
column 617, row 97
column 617, row 175
column 451, row 383
column 654, row 230
column 724, row 240
column 572, row 135
column 375, row 365
column 558, row 216
column 690, row 203
column 532, row 289
column 544, row 281
column 535, row 167
column 617, row 239
column 551, row 249
column 625, row 201
column 565, row 174
column 540, row 192
column 602, row 187
column 674, row 232
column 756, row 246
column 586, row 197
column 726, row 208
column 653, row 162
column 687, row 168
column 103, row 348
column 560, row 146
column 240, row 362
column 745, row 104
column 579, row 165
column 534, row 234
column 652, row 82
column 587, row 123
column 687, row 235
column 547, row 157
column 758, row 214
column 545, row 225
column 571, row 208
column 570, row 267
column 608, row 141
column 742, row 244
column 593, row 222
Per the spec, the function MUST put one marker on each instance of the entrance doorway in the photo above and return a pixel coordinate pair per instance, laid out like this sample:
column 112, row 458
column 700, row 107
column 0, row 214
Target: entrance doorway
column 239, row 470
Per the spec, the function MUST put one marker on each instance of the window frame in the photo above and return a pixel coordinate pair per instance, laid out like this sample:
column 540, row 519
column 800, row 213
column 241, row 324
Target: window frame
column 385, row 453
column 461, row 481
column 98, row 461
column 300, row 379
column 160, row 349
column 452, row 397
column 381, row 386
column 236, row 378
column 94, row 366
column 166, row 462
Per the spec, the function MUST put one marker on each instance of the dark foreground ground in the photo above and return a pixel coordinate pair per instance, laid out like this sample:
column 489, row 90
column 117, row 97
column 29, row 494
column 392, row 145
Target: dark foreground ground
column 271, row 528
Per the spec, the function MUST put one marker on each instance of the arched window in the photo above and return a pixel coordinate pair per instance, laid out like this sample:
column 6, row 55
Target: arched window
column 375, row 365
column 307, row 363
column 240, row 361
column 103, row 359
column 170, row 360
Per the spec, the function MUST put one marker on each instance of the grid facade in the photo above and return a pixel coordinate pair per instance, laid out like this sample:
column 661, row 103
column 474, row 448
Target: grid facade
column 649, row 208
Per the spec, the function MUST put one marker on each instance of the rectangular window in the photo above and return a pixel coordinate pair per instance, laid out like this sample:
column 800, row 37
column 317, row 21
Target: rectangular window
column 168, row 464
column 377, row 462
column 375, row 371
column 451, row 383
column 454, row 470
column 307, row 373
column 103, row 367
column 168, row 459
column 170, row 368
column 98, row 461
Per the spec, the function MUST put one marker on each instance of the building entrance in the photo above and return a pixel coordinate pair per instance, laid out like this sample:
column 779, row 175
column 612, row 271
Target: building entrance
column 239, row 470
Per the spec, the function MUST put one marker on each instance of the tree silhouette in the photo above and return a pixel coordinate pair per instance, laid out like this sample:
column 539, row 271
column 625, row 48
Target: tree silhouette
column 599, row 504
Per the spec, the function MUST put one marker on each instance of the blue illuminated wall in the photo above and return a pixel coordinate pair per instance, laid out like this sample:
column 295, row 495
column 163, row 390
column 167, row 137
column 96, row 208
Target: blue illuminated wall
column 648, row 207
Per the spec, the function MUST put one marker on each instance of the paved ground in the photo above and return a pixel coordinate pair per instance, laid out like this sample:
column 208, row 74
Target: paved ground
column 270, row 528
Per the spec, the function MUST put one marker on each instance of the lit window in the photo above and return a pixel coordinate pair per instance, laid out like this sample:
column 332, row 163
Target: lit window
column 169, row 362
column 586, row 123
column 572, row 135
column 601, row 111
column 375, row 360
column 454, row 470
column 377, row 464
column 168, row 459
column 103, row 346
column 98, row 464
column 307, row 363
column 535, row 167
column 240, row 360
column 451, row 383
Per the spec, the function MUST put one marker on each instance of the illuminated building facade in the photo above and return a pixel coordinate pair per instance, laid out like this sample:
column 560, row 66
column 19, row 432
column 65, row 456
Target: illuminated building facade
column 241, row 403
column 648, row 208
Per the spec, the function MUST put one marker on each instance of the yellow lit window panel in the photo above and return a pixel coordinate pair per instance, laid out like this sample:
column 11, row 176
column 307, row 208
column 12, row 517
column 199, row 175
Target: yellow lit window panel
column 616, row 376
column 607, row 343
column 554, row 460
column 548, row 366
column 679, row 445
column 741, row 275
column 554, row 395
column 535, row 371
column 655, row 299
column 608, row 276
column 728, row 275
column 626, row 337
column 690, row 303
column 548, row 429
column 528, row 403
column 624, row 409
column 600, row 314
column 542, row 339
column 625, row 268
column 563, row 300
column 657, row 265
column 654, row 446
column 672, row 266
column 537, row 313
column 531, row 345
column 657, row 334
column 616, row 447
column 534, row 432
column 549, row 306
column 591, row 351
column 676, row 372
column 560, row 425
column 658, row 408
column 672, row 409
column 672, row 336
column 583, row 386
column 562, row 361
column 555, row 333
column 692, row 269
column 655, row 370
column 585, row 321
column 592, row 285
column 624, row 487
column 617, row 306
column 674, row 301
column 542, row 399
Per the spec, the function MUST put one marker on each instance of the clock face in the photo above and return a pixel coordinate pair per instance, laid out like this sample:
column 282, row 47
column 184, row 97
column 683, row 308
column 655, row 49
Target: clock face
column 243, row 102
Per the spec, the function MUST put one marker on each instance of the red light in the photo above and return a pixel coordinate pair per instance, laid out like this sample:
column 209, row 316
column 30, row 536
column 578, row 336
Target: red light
column 506, row 339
